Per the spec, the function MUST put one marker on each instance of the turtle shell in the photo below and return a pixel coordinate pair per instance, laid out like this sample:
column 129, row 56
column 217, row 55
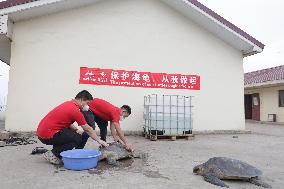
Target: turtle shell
column 228, row 168
column 115, row 150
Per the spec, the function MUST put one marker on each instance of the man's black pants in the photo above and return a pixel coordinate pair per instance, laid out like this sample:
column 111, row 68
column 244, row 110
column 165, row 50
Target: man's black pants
column 66, row 139
column 91, row 119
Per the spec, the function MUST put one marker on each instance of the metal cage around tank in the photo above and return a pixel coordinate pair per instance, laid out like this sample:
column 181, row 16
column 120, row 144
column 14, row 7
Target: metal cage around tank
column 168, row 115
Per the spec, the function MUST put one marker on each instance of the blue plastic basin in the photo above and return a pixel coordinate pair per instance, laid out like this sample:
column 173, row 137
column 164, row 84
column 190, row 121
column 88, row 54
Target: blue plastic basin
column 80, row 159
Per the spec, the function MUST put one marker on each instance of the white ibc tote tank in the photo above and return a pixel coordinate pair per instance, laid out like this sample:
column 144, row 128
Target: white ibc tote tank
column 167, row 114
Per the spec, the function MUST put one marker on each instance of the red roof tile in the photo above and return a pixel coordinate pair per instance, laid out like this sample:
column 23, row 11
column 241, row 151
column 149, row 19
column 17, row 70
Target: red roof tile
column 261, row 76
column 11, row 3
column 226, row 23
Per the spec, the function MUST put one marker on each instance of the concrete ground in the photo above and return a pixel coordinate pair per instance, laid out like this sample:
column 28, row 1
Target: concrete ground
column 169, row 164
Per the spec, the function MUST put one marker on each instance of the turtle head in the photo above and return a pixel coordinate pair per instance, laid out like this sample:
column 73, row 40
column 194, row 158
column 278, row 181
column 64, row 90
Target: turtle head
column 199, row 169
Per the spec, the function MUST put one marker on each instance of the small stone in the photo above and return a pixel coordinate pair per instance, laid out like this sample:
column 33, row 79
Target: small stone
column 4, row 135
column 235, row 137
column 2, row 143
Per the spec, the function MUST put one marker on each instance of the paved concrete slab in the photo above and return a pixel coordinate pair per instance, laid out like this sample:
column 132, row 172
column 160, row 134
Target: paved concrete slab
column 169, row 164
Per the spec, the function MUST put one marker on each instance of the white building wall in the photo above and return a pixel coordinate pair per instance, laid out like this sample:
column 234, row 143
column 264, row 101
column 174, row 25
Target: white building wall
column 141, row 35
column 269, row 102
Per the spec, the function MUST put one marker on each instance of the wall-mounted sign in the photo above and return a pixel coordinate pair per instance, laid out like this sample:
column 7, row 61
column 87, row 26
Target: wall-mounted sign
column 98, row 76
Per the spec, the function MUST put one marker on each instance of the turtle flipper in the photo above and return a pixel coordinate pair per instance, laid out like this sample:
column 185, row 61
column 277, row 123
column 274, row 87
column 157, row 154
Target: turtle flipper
column 112, row 160
column 258, row 182
column 211, row 178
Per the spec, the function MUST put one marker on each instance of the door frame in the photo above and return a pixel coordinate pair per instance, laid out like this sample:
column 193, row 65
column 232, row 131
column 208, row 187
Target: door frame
column 248, row 106
column 255, row 107
column 252, row 106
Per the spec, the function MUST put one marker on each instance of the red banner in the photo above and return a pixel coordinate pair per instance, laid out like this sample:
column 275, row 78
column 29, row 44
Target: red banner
column 97, row 76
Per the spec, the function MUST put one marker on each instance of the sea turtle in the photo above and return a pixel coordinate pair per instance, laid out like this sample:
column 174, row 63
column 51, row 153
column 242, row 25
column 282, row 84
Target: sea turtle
column 116, row 151
column 217, row 169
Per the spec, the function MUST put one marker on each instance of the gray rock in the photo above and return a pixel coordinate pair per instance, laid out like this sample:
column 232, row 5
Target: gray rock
column 4, row 135
column 2, row 143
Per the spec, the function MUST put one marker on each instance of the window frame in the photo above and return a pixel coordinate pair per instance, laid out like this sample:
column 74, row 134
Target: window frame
column 279, row 98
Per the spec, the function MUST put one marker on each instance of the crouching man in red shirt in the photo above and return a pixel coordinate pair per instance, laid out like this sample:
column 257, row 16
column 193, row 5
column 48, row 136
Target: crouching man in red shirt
column 56, row 127
column 101, row 112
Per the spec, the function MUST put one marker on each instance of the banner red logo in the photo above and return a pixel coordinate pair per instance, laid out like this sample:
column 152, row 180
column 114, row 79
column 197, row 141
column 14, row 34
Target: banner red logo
column 97, row 76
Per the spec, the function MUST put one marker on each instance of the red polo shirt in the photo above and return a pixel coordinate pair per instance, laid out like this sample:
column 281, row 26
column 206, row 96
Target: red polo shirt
column 59, row 118
column 105, row 110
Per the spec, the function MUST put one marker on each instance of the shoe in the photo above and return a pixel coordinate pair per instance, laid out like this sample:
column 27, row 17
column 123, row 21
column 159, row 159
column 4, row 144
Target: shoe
column 51, row 158
column 39, row 150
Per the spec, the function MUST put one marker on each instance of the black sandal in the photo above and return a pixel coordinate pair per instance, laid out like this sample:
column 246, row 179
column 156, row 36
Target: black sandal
column 39, row 150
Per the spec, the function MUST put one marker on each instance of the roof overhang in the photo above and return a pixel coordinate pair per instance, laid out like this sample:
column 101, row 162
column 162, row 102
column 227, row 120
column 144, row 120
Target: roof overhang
column 27, row 11
column 267, row 84
column 217, row 25
column 5, row 47
column 5, row 39
column 42, row 7
column 192, row 9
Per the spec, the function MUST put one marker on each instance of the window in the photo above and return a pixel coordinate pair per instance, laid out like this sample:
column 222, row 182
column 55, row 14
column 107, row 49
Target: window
column 281, row 98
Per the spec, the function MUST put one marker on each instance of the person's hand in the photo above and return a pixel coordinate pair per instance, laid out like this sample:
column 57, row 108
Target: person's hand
column 118, row 140
column 79, row 131
column 129, row 147
column 103, row 143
